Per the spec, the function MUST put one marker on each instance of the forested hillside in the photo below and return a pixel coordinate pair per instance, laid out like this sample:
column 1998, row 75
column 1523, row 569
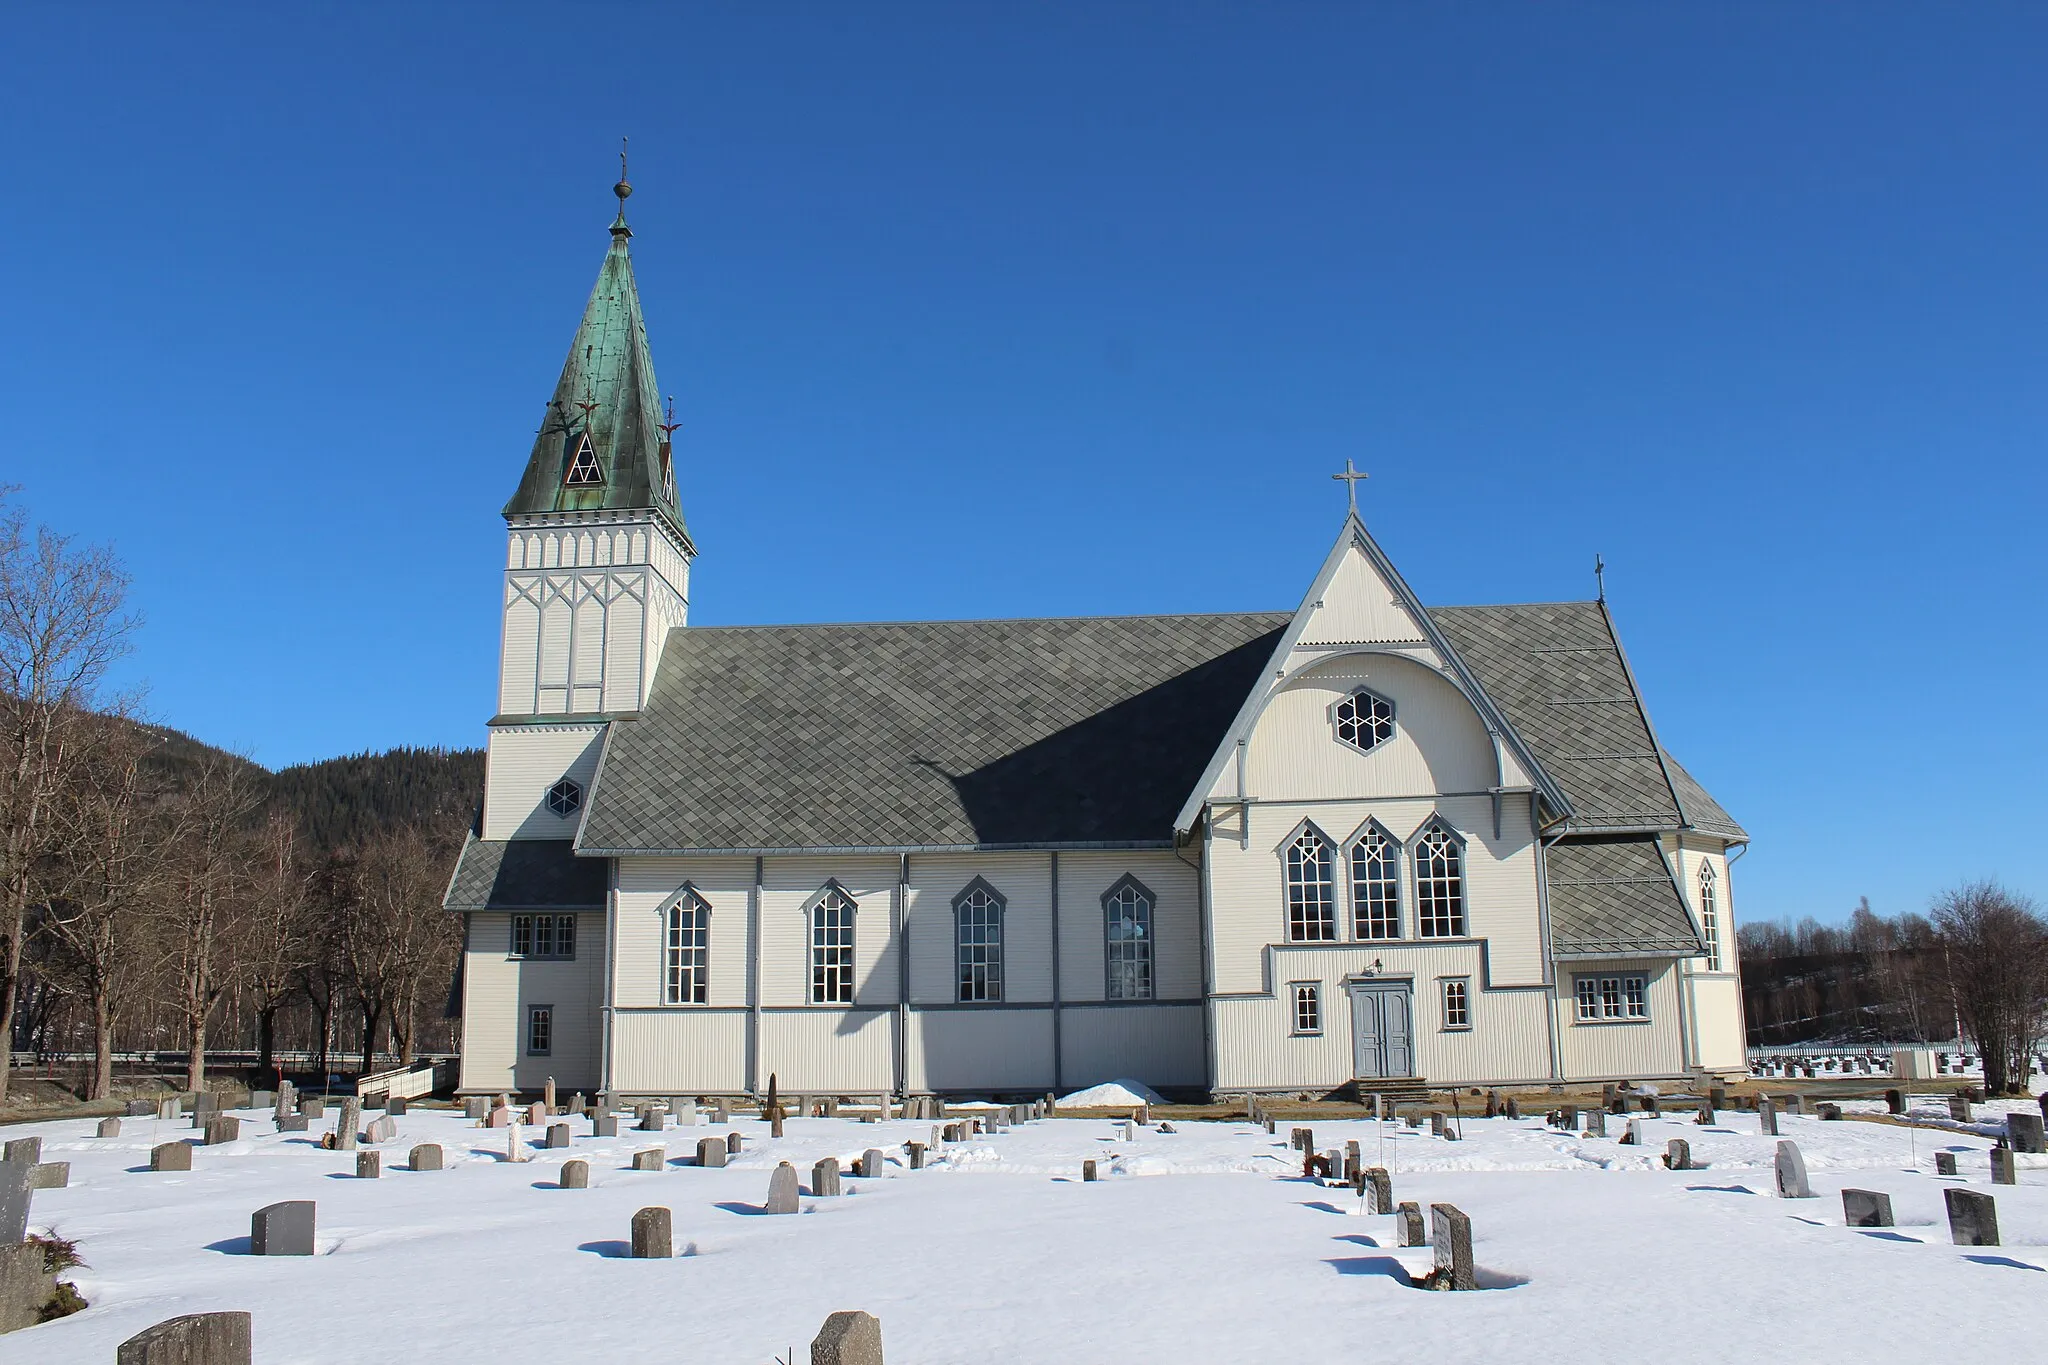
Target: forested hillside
column 340, row 802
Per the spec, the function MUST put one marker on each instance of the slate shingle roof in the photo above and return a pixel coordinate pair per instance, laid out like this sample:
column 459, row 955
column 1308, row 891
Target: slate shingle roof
column 525, row 874
column 934, row 734
column 1613, row 894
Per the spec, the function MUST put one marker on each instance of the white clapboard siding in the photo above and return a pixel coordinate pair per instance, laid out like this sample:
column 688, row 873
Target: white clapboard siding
column 1160, row 1045
column 835, row 1050
column 1439, row 743
column 1025, row 882
column 1619, row 1051
column 645, row 888
column 497, row 989
column 1175, row 884
column 981, row 1048
column 523, row 761
column 791, row 886
column 679, row 1051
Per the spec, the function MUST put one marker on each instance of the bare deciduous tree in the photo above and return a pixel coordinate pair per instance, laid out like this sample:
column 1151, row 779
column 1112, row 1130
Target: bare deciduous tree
column 213, row 855
column 399, row 894
column 274, row 931
column 64, row 620
column 1997, row 949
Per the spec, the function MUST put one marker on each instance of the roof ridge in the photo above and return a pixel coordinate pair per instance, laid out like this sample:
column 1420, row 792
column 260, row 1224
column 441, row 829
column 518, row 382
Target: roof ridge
column 990, row 620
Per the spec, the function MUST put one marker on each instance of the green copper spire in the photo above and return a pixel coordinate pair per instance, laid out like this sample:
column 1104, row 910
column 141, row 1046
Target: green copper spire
column 602, row 445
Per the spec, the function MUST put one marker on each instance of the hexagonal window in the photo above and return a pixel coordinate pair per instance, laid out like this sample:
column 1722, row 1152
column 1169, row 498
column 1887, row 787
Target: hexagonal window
column 1363, row 720
column 565, row 797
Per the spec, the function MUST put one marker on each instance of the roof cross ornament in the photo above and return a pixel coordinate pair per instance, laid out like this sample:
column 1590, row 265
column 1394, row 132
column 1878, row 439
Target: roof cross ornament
column 1351, row 476
column 668, row 428
column 1600, row 577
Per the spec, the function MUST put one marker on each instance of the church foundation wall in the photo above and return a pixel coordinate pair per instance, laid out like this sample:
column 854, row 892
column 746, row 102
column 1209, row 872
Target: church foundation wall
column 699, row 1051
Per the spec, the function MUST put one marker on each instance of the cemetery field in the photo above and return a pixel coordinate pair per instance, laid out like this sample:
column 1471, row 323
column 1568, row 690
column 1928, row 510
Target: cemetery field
column 1201, row 1244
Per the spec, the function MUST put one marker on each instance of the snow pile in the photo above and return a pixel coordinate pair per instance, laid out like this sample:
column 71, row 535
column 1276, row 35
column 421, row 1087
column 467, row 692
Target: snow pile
column 1118, row 1094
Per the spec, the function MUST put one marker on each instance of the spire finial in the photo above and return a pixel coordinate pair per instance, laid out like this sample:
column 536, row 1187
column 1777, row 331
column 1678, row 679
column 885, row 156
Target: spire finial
column 1351, row 476
column 1600, row 577
column 624, row 190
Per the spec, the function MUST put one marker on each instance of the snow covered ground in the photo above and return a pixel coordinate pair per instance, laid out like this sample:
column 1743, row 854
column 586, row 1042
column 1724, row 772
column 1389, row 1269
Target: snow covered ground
column 1199, row 1245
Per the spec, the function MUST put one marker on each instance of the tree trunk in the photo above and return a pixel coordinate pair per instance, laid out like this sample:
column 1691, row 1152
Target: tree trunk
column 266, row 1040
column 102, row 1046
column 195, row 1057
column 371, row 1015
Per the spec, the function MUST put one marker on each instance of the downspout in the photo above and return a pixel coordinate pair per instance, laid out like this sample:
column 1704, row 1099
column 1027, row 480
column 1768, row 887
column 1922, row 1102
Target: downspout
column 903, row 974
column 754, row 981
column 1208, row 956
column 611, row 934
column 1556, row 1028
column 1058, row 1054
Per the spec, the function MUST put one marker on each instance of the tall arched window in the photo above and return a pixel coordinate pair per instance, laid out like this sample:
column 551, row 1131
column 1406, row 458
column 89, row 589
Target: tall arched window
column 832, row 947
column 1439, row 882
column 1127, row 919
column 687, row 944
column 1710, row 916
column 978, row 935
column 1311, row 890
column 1375, row 884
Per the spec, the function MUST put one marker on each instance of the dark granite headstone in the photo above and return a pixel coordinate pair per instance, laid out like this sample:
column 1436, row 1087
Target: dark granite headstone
column 2024, row 1132
column 282, row 1229
column 1959, row 1108
column 604, row 1125
column 223, row 1128
column 1894, row 1102
column 575, row 1175
column 2003, row 1171
column 825, row 1178
column 1944, row 1163
column 369, row 1165
column 1866, row 1208
column 1972, row 1217
column 17, row 1178
column 171, row 1156
column 650, row 1159
column 848, row 1338
column 1379, row 1187
column 195, row 1339
column 291, row 1123
column 711, row 1152
column 1087, row 1171
column 652, row 1238
column 1409, row 1219
column 1451, row 1232
column 395, row 1106
column 916, row 1151
column 140, row 1109
column 558, row 1135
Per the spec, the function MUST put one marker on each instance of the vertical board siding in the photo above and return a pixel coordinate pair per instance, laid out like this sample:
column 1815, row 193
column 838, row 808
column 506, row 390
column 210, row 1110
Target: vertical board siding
column 840, row 1051
column 690, row 1052
column 1025, row 881
column 1160, row 1045
column 1622, row 1051
column 496, row 990
column 521, row 764
column 645, row 885
column 981, row 1049
column 1358, row 606
column 1176, row 922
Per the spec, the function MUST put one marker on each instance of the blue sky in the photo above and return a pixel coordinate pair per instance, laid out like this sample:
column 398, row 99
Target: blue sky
column 1073, row 311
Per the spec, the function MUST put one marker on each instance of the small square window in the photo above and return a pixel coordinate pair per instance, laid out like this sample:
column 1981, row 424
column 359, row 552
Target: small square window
column 1612, row 999
column 544, row 936
column 540, row 1030
column 1457, row 1004
column 1308, row 1007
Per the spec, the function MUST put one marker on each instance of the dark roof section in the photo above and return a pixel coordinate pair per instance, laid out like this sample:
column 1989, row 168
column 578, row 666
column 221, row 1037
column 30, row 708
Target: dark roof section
column 1557, row 671
column 525, row 874
column 1612, row 896
column 941, row 734
column 610, row 369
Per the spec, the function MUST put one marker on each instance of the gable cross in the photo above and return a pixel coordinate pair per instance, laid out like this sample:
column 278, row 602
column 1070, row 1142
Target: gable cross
column 1351, row 477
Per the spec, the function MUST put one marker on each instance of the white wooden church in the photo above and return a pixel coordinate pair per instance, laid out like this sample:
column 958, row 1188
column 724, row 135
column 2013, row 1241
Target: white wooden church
column 1364, row 839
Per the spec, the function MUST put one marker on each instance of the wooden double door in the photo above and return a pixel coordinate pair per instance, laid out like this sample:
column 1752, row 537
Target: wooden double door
column 1382, row 1029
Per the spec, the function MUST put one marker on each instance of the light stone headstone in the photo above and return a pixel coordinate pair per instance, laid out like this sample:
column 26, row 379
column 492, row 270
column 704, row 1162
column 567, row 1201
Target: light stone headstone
column 547, row 1095
column 110, row 1128
column 1451, row 1232
column 499, row 1117
column 1634, row 1136
column 782, row 1190
column 1959, row 1108
column 1514, row 1110
column 604, row 1125
column 381, row 1129
column 1791, row 1171
column 848, row 1338
column 1767, row 1117
column 1866, row 1209
column 1795, row 1104
column 711, row 1152
column 1596, row 1123
column 167, row 1109
column 261, row 1099
column 140, row 1109
column 650, row 1158
column 1972, row 1217
column 652, row 1237
column 346, row 1125
column 291, row 1123
column 28, row 1149
column 171, row 1156
column 1409, row 1218
column 2002, row 1167
column 313, row 1107
column 395, row 1106
column 825, row 1178
column 425, row 1157
column 724, row 1113
column 515, row 1144
column 282, row 1229
column 50, row 1175
column 871, row 1164
column 16, row 1180
column 685, row 1112
column 537, row 1114
column 1705, row 1115
column 1130, row 1131
column 476, row 1106
column 369, row 1165
column 575, row 1175
column 194, row 1339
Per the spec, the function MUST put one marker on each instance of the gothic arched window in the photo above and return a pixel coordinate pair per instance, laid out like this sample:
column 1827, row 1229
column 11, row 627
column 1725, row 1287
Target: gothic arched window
column 1375, row 884
column 978, row 936
column 1127, row 926
column 832, row 947
column 1439, row 882
column 686, row 949
column 1311, row 889
column 1710, row 916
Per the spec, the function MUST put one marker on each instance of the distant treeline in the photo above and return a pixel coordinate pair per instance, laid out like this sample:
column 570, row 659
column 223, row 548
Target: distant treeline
column 1874, row 980
column 342, row 802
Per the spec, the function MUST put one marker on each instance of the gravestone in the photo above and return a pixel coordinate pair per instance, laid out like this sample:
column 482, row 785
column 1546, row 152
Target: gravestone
column 205, row 1102
column 547, row 1095
column 825, row 1178
column 871, row 1164
column 291, row 1123
column 346, row 1125
column 1087, row 1171
column 1829, row 1112
column 1130, row 1131
column 1436, row 1123
column 2002, row 1168
column 1634, row 1136
column 1492, row 1104
column 916, row 1150
column 1791, row 1170
column 1972, row 1217
column 1944, row 1163
column 848, row 1338
column 261, row 1099
column 1649, row 1103
column 167, row 1109
column 1795, row 1104
column 1379, row 1188
column 537, row 1114
column 1767, row 1117
column 1302, row 1140
column 381, row 1129
column 28, row 1149
column 650, row 1158
column 515, row 1144
column 734, row 1144
column 775, row 1123
column 1894, row 1103
column 369, row 1165
column 140, row 1109
column 604, row 1125
column 724, row 1112
column 1705, row 1116
column 711, row 1152
column 652, row 1238
column 16, row 1179
column 558, row 1136
column 1354, row 1161
column 1596, row 1123
column 395, row 1106
column 1451, row 1231
column 1959, row 1108
column 53, row 1175
column 1409, row 1218
column 476, row 1106
column 782, row 1190
column 1514, row 1108
column 1333, row 1164
column 194, row 1339
column 652, row 1118
column 110, row 1128
column 2024, row 1132
column 425, row 1157
column 283, row 1229
column 1866, row 1209
column 170, row 1156
column 499, row 1117
column 1271, row 1127
column 26, row 1284
column 685, row 1112
column 1717, row 1096
column 1678, row 1154
column 575, row 1175
column 313, row 1107
column 1568, row 1118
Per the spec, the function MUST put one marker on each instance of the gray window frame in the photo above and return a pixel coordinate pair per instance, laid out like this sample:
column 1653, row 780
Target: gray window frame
column 1709, row 883
column 1464, row 985
column 1334, row 856
column 991, row 965
column 813, row 910
column 1147, row 940
column 1336, row 722
column 544, row 1015
column 1417, row 843
column 557, row 921
column 1294, row 998
column 1350, row 855
column 672, row 951
column 1621, row 994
